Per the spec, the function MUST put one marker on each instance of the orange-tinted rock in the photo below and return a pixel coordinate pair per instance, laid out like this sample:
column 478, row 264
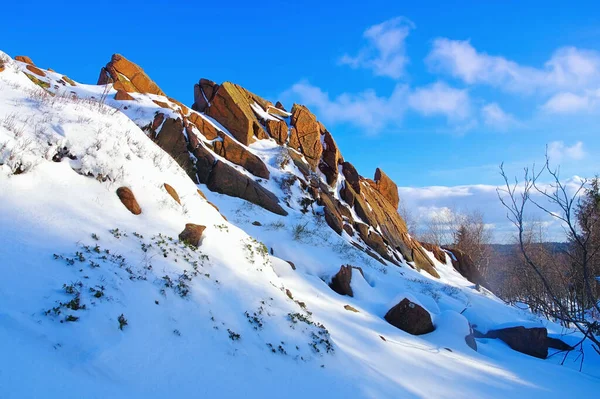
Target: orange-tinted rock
column 25, row 59
column 387, row 187
column 229, row 149
column 200, row 193
column 278, row 130
column 231, row 108
column 122, row 95
column 351, row 175
column 332, row 215
column 128, row 199
column 36, row 70
column 172, row 193
column 279, row 105
column 331, row 159
column 462, row 263
column 438, row 252
column 170, row 138
column 192, row 234
column 204, row 126
column 162, row 104
column 131, row 77
column 308, row 133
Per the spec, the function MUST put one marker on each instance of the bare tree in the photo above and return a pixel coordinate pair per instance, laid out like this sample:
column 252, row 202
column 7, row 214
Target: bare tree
column 472, row 237
column 516, row 197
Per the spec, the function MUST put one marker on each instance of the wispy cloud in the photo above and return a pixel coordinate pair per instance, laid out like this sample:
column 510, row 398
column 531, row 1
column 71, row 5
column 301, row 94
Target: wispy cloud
column 495, row 117
column 568, row 68
column 558, row 151
column 441, row 99
column 385, row 50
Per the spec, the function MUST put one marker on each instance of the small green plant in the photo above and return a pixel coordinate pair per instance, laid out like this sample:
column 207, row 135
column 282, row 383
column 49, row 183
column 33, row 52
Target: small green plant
column 122, row 322
column 71, row 318
column 233, row 335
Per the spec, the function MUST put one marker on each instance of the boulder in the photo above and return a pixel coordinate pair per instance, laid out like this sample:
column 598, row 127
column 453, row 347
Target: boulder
column 36, row 70
column 127, row 76
column 331, row 159
column 226, row 180
column 333, row 218
column 410, row 317
column 340, row 283
column 231, row 108
column 278, row 130
column 231, row 150
column 387, row 187
column 171, row 139
column 530, row 341
column 172, row 193
column 122, row 95
column 25, row 59
column 192, row 234
column 204, row 92
column 559, row 344
column 307, row 132
column 128, row 199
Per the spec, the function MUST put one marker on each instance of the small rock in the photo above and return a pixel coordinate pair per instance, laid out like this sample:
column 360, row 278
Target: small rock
column 256, row 223
column 128, row 199
column 350, row 308
column 192, row 234
column 410, row 317
column 172, row 193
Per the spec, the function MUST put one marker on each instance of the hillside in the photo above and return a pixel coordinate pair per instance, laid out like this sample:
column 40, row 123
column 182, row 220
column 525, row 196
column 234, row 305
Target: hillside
column 98, row 299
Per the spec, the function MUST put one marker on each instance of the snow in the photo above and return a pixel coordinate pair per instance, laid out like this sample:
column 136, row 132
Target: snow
column 185, row 345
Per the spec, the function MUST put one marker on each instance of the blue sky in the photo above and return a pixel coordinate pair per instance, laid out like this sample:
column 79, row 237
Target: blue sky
column 435, row 93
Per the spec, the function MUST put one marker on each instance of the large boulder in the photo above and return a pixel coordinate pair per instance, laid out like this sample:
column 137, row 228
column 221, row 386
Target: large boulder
column 387, row 187
column 410, row 317
column 306, row 134
column 192, row 234
column 231, row 107
column 127, row 76
column 231, row 150
column 530, row 341
column 340, row 283
column 226, row 180
column 128, row 199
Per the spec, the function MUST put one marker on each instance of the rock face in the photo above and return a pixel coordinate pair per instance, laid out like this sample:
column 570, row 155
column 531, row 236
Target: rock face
column 231, row 107
column 226, row 180
column 278, row 130
column 192, row 234
column 387, row 187
column 306, row 134
column 172, row 193
column 410, row 317
column 128, row 199
column 127, row 76
column 530, row 341
column 234, row 152
column 122, row 95
column 340, row 283
column 463, row 264
column 331, row 159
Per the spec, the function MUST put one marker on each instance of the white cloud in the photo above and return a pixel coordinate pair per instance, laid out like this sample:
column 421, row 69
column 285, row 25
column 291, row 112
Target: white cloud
column 494, row 116
column 385, row 52
column 568, row 103
column 371, row 112
column 569, row 68
column 441, row 99
column 558, row 151
column 366, row 109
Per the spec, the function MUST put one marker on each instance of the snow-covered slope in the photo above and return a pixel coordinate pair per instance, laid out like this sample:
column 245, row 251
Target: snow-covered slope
column 230, row 319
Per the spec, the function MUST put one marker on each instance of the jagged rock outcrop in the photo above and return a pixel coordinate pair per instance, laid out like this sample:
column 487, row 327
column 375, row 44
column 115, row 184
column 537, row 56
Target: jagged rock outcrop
column 387, row 187
column 331, row 158
column 225, row 179
column 127, row 76
column 192, row 234
column 231, row 107
column 236, row 153
column 463, row 264
column 128, row 199
column 204, row 92
column 340, row 283
column 278, row 130
column 305, row 135
column 410, row 317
